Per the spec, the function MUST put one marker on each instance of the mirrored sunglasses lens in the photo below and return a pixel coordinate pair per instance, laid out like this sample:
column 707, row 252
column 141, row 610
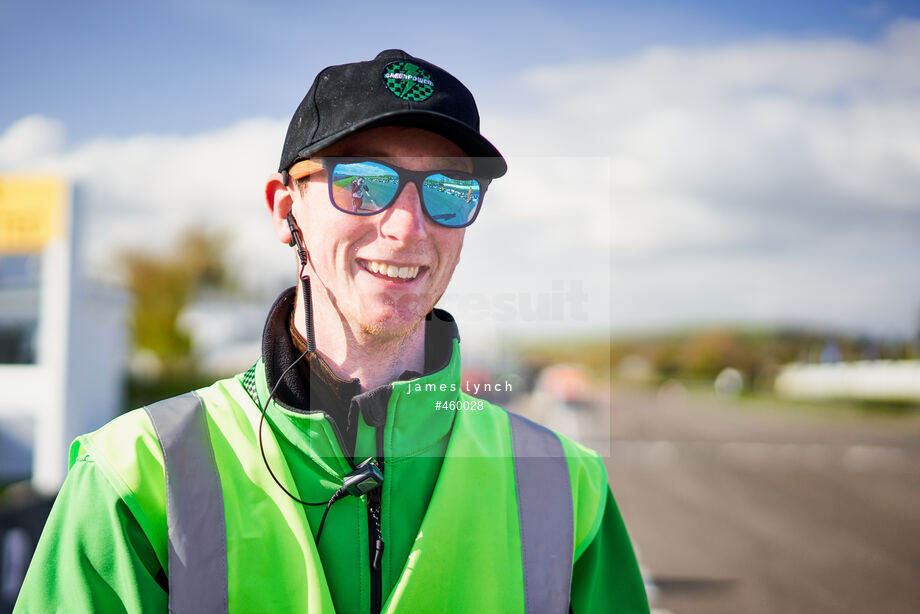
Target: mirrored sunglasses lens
column 451, row 201
column 363, row 187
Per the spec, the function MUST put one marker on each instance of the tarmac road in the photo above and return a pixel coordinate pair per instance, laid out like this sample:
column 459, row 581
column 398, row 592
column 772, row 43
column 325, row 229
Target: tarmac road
column 760, row 507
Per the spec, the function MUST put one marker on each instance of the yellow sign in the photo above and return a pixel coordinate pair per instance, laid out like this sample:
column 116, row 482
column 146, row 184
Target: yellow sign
column 31, row 212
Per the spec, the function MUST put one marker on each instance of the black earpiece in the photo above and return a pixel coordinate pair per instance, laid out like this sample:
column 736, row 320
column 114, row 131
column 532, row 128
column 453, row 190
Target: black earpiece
column 297, row 239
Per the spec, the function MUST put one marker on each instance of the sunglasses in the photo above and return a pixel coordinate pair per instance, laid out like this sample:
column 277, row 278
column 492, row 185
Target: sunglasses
column 364, row 186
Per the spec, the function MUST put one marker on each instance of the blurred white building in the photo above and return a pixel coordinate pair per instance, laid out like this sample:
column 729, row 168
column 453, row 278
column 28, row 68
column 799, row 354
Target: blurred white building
column 63, row 340
column 863, row 380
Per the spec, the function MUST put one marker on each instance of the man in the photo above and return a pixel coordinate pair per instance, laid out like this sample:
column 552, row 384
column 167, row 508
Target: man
column 346, row 471
column 358, row 190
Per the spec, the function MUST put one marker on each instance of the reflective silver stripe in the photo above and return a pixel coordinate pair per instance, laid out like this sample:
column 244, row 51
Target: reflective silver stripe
column 541, row 475
column 194, row 507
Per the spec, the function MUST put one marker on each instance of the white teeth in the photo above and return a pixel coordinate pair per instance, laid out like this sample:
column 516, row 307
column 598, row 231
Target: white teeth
column 406, row 272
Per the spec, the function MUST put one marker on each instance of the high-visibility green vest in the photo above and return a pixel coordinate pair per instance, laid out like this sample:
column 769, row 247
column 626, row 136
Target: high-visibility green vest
column 489, row 540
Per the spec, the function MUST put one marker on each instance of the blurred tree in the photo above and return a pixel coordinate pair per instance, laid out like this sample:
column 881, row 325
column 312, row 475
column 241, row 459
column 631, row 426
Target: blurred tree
column 162, row 285
column 706, row 353
column 595, row 353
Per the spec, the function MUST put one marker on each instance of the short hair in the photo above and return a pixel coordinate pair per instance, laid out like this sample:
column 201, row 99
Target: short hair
column 301, row 185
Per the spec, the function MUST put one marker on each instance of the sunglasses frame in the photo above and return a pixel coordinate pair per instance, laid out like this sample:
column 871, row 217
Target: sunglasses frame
column 305, row 168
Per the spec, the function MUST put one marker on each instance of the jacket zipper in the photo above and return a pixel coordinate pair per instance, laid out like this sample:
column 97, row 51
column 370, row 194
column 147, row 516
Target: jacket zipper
column 375, row 535
column 376, row 548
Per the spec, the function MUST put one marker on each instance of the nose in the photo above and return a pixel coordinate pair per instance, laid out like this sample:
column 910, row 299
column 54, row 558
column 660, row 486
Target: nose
column 404, row 220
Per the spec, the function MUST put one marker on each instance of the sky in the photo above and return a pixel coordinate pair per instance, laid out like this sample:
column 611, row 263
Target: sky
column 670, row 163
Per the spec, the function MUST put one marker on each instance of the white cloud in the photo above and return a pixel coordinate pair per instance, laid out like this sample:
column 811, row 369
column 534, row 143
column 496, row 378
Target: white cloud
column 29, row 138
column 142, row 191
column 769, row 179
column 781, row 158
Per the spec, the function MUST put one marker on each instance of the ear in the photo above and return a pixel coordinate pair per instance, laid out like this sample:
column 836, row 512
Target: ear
column 279, row 202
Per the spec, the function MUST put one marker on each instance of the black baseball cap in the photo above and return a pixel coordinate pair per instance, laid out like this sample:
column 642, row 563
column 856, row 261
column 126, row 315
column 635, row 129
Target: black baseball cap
column 393, row 89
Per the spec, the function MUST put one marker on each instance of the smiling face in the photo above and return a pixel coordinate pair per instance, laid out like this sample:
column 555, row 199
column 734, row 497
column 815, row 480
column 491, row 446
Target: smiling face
column 381, row 273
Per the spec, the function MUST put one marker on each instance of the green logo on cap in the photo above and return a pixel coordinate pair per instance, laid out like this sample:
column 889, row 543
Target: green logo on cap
column 408, row 81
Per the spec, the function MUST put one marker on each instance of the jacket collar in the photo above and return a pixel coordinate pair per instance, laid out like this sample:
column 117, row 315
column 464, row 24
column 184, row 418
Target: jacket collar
column 405, row 409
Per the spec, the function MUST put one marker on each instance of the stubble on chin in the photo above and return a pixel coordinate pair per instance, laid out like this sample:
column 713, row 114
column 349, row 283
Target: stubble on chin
column 402, row 321
column 381, row 331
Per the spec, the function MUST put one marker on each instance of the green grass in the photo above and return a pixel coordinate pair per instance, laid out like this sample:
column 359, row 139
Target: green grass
column 764, row 401
column 848, row 407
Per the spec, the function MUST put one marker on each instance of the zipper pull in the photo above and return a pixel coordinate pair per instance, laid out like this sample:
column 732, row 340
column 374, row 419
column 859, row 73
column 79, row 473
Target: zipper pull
column 378, row 553
column 373, row 505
